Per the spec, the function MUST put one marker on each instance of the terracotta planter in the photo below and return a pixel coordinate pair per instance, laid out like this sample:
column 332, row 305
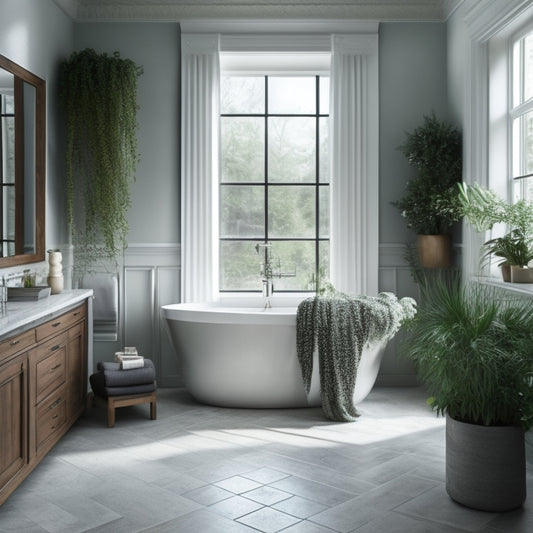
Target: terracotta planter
column 434, row 251
column 485, row 465
column 521, row 274
column 506, row 272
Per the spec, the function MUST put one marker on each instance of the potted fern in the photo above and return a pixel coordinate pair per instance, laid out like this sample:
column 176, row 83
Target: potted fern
column 430, row 204
column 484, row 209
column 472, row 349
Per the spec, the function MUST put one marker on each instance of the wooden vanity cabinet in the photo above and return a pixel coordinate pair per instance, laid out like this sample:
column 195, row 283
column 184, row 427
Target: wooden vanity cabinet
column 43, row 387
column 14, row 423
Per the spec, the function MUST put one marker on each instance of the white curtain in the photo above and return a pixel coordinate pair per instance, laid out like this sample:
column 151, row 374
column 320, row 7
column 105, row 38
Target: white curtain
column 200, row 73
column 354, row 146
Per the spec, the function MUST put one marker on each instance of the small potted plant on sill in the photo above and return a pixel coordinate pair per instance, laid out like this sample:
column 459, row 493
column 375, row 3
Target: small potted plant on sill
column 472, row 349
column 430, row 204
column 483, row 209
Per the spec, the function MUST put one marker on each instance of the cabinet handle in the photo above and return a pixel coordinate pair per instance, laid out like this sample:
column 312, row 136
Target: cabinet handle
column 55, row 404
column 55, row 367
column 76, row 313
column 15, row 342
column 55, row 416
column 56, row 347
column 55, row 324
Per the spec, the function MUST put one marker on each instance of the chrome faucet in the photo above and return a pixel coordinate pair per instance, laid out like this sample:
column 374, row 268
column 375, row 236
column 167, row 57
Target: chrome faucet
column 267, row 270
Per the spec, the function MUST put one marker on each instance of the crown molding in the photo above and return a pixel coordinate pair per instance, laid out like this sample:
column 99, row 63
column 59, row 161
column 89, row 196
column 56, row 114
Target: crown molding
column 178, row 10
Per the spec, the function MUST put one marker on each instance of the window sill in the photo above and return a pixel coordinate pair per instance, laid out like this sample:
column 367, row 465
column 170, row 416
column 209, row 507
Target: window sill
column 517, row 288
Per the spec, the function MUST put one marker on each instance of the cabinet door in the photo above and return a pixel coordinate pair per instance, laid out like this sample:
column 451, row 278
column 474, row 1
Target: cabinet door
column 77, row 371
column 13, row 421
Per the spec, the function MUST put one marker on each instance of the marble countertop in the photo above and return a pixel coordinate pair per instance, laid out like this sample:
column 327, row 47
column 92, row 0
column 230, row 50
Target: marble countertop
column 22, row 315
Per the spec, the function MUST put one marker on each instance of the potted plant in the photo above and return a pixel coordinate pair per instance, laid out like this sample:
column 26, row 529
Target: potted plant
column 483, row 209
column 472, row 348
column 430, row 203
column 98, row 94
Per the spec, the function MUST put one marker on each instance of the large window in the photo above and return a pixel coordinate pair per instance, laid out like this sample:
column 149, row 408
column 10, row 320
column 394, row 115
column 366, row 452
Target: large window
column 274, row 179
column 521, row 115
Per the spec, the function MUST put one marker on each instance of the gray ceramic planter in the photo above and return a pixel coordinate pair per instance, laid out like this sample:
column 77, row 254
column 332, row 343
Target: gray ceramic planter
column 485, row 465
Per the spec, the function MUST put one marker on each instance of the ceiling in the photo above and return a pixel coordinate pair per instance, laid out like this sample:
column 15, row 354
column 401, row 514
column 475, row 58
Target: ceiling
column 175, row 10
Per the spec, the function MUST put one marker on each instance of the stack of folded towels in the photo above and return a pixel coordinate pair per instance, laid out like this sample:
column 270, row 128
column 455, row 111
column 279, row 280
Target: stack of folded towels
column 112, row 380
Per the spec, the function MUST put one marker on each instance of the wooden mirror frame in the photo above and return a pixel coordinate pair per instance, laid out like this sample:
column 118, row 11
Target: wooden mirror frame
column 40, row 164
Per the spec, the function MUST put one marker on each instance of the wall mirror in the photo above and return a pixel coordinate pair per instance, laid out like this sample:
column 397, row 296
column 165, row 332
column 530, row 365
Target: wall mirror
column 22, row 165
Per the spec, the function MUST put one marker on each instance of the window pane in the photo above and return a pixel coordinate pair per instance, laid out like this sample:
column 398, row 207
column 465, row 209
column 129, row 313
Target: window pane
column 8, row 209
column 239, row 266
column 242, row 211
column 293, row 96
column 323, row 212
column 243, row 148
column 297, row 260
column 291, row 212
column 7, row 128
column 323, row 259
column 323, row 170
column 523, row 145
column 324, row 95
column 242, row 95
column 528, row 67
column 291, row 149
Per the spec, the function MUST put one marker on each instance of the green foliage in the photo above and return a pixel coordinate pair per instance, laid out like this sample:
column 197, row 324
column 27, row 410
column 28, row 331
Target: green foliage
column 483, row 209
column 472, row 348
column 98, row 94
column 430, row 203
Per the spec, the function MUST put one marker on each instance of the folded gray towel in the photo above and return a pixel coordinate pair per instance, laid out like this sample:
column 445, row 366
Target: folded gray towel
column 114, row 376
column 99, row 387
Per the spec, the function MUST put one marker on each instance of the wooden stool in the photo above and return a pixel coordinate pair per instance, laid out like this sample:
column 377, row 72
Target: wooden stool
column 126, row 400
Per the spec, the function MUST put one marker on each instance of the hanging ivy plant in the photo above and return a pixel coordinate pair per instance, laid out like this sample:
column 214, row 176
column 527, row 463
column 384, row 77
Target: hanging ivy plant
column 98, row 94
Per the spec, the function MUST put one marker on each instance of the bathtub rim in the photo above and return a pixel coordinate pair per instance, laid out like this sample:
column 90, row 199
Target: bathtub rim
column 217, row 313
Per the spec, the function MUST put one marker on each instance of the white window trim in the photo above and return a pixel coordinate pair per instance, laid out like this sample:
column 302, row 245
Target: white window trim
column 355, row 239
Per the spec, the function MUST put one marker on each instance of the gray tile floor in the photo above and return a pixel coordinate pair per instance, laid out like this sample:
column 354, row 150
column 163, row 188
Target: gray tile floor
column 204, row 469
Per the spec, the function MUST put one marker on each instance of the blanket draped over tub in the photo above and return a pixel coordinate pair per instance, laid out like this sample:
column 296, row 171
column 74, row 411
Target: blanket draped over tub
column 340, row 327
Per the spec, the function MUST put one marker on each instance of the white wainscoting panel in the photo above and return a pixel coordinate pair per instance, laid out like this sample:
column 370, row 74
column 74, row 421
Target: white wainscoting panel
column 151, row 279
column 395, row 276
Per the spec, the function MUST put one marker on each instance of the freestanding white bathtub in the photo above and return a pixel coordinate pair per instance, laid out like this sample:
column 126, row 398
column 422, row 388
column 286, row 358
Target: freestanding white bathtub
column 246, row 357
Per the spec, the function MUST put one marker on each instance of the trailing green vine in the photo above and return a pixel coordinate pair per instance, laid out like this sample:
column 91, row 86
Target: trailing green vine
column 98, row 94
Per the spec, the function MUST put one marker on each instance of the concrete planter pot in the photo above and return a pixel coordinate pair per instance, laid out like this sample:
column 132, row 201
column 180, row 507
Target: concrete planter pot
column 485, row 465
column 434, row 251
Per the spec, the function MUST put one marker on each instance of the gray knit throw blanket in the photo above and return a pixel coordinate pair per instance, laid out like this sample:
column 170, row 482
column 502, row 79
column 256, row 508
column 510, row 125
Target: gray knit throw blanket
column 340, row 327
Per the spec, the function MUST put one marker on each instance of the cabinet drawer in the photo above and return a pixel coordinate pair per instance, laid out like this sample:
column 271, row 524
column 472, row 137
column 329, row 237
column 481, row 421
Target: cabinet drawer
column 50, row 371
column 16, row 344
column 51, row 415
column 60, row 323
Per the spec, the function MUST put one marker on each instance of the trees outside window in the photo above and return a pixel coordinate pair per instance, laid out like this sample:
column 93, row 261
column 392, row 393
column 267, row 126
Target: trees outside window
column 274, row 179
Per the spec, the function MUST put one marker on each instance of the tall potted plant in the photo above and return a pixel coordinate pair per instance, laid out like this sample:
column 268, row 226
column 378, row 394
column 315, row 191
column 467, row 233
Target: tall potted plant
column 472, row 349
column 430, row 203
column 98, row 94
column 483, row 209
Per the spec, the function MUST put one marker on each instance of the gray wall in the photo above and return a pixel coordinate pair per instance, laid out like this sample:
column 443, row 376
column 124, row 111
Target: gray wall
column 412, row 81
column 37, row 35
column 151, row 275
column 154, row 217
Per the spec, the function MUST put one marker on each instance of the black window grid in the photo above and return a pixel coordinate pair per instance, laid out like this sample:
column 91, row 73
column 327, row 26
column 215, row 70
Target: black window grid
column 317, row 184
